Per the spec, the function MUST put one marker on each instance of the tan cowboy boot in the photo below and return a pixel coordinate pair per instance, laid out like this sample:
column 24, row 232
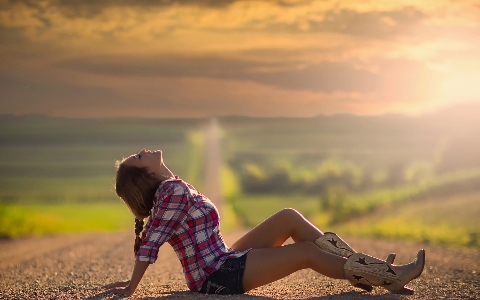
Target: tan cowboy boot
column 369, row 270
column 332, row 243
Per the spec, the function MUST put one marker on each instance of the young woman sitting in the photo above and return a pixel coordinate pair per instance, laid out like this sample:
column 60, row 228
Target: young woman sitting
column 180, row 215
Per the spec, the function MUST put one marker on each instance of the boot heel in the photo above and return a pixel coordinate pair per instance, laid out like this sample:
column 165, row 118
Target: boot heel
column 364, row 287
column 402, row 290
column 406, row 291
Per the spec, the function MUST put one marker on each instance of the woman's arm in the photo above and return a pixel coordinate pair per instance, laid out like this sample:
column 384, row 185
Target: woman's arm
column 128, row 287
column 169, row 213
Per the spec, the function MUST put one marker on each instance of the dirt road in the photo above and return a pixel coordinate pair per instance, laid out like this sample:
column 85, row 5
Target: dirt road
column 75, row 267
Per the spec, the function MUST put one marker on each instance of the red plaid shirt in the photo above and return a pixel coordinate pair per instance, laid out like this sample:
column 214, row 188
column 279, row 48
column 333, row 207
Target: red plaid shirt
column 189, row 222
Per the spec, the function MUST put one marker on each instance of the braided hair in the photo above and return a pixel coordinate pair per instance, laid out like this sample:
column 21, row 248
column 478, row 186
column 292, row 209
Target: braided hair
column 136, row 187
column 138, row 230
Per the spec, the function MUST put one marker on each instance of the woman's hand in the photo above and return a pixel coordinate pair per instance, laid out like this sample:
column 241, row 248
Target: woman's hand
column 121, row 287
column 128, row 287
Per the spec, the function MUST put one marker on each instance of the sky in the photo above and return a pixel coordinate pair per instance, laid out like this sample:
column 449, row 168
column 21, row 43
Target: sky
column 165, row 58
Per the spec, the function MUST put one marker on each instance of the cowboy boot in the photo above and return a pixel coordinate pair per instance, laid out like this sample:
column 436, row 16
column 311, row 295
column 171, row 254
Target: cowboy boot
column 332, row 243
column 369, row 270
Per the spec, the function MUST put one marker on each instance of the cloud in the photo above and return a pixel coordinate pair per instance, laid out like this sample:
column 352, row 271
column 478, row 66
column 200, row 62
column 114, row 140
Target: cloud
column 70, row 17
column 319, row 77
column 373, row 24
column 27, row 96
column 274, row 57
column 111, row 26
column 399, row 86
column 165, row 97
column 91, row 8
column 403, row 77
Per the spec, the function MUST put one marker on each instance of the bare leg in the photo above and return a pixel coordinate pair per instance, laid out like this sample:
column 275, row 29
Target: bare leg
column 270, row 264
column 275, row 230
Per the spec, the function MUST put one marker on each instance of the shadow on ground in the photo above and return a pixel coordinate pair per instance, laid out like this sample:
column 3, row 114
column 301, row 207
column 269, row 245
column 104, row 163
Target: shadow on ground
column 190, row 295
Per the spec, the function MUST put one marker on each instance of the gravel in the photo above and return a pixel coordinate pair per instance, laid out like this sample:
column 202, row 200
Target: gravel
column 76, row 266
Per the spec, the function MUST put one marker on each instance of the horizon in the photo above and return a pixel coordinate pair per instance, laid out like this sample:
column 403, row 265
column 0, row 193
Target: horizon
column 464, row 107
column 195, row 59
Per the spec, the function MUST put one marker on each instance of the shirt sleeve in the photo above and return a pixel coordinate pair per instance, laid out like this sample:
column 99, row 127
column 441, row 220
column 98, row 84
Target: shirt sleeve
column 169, row 212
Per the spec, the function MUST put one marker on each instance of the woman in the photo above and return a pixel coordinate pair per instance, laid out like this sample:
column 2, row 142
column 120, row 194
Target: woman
column 189, row 222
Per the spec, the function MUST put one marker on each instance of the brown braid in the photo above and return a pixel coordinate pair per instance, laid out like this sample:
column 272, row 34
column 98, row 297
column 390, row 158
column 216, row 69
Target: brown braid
column 136, row 187
column 138, row 230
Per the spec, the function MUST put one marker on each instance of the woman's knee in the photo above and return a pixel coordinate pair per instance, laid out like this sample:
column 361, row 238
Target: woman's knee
column 290, row 213
column 291, row 216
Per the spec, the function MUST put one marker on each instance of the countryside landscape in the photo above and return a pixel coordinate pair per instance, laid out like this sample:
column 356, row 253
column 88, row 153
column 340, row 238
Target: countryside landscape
column 411, row 178
column 364, row 116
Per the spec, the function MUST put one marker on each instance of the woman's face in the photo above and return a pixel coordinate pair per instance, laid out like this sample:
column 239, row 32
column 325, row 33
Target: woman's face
column 146, row 159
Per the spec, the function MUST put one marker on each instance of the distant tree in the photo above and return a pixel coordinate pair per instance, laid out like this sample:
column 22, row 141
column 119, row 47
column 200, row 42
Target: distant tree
column 280, row 180
column 333, row 197
column 253, row 179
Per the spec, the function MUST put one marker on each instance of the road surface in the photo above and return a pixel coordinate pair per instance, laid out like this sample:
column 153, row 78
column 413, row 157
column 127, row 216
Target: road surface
column 76, row 266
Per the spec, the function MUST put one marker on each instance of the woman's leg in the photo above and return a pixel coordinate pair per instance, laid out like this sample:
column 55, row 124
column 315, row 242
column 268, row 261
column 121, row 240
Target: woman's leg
column 275, row 230
column 270, row 264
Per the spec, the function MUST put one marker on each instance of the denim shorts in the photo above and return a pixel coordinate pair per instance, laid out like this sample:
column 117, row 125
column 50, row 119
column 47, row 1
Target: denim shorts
column 228, row 279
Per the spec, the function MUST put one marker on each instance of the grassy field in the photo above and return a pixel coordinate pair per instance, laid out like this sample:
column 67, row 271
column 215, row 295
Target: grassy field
column 73, row 160
column 355, row 205
column 69, row 173
column 451, row 221
column 441, row 220
column 253, row 209
column 376, row 141
column 60, row 218
column 57, row 175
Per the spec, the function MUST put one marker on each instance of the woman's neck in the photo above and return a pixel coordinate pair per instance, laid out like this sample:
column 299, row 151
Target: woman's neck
column 165, row 173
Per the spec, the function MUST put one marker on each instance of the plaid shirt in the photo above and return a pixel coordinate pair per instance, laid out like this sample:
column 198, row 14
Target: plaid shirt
column 189, row 222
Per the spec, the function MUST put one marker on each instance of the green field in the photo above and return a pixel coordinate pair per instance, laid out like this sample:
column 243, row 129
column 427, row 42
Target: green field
column 57, row 175
column 253, row 209
column 440, row 220
column 357, row 175
column 50, row 160
column 40, row 219
column 444, row 211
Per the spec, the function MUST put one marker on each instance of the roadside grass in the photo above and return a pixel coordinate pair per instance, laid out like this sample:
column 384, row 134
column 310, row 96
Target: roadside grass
column 352, row 206
column 443, row 211
column 230, row 188
column 253, row 209
column 250, row 210
column 41, row 219
column 452, row 221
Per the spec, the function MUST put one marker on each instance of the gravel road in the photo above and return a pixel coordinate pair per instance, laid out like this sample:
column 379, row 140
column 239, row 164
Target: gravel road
column 75, row 267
